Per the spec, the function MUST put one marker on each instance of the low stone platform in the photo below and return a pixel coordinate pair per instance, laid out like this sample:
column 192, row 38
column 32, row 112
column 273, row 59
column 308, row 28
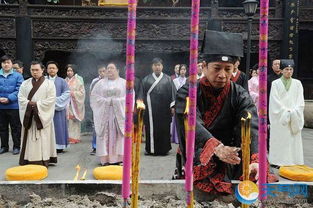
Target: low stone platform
column 157, row 189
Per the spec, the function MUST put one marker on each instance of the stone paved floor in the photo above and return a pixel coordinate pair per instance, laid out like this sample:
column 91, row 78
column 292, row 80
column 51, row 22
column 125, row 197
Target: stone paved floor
column 152, row 167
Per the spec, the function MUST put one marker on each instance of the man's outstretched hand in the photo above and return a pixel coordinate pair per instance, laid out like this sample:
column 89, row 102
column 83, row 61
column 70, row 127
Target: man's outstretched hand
column 228, row 154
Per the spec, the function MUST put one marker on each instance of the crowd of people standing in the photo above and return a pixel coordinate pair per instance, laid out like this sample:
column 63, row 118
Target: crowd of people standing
column 45, row 112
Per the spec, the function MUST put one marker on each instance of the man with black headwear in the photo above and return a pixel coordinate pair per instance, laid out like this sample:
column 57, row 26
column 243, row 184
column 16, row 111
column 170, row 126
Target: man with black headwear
column 220, row 106
column 159, row 96
column 286, row 106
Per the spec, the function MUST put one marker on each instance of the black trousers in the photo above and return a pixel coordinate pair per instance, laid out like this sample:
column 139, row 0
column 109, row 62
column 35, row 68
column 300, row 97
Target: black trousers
column 10, row 116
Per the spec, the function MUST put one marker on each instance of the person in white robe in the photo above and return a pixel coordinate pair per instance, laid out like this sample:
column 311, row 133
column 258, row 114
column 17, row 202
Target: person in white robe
column 37, row 98
column 101, row 74
column 286, row 108
column 107, row 101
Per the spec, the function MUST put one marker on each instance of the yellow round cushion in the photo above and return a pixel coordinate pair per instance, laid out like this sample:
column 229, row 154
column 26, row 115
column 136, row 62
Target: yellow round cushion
column 26, row 173
column 297, row 172
column 110, row 172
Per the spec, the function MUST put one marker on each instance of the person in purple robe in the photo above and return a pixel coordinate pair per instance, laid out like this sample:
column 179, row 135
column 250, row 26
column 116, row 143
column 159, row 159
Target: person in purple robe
column 178, row 82
column 62, row 100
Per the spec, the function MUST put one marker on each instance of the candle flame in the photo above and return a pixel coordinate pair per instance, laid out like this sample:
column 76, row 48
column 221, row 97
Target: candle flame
column 140, row 105
column 187, row 106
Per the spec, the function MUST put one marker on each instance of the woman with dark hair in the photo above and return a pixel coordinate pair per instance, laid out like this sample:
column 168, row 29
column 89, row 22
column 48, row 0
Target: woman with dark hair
column 181, row 79
column 76, row 107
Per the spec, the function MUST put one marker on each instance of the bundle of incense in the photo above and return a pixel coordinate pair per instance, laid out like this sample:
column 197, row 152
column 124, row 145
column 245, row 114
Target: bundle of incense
column 84, row 175
column 245, row 147
column 189, row 196
column 136, row 153
column 77, row 172
column 186, row 118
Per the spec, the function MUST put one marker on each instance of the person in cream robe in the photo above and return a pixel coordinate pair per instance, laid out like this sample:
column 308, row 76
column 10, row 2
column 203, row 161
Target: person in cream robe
column 286, row 108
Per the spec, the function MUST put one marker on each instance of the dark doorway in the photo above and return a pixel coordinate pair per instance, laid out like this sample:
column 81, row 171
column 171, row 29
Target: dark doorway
column 305, row 62
column 87, row 63
column 2, row 53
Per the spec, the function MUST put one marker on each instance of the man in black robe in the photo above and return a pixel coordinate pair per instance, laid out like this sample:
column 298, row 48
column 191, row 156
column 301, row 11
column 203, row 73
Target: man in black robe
column 238, row 76
column 159, row 96
column 275, row 74
column 271, row 76
column 220, row 106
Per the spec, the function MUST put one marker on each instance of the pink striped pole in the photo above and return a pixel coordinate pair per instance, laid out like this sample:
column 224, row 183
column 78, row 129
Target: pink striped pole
column 190, row 143
column 130, row 76
column 263, row 48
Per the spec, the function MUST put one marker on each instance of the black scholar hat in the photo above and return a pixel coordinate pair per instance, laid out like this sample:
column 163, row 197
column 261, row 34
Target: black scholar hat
column 222, row 46
column 287, row 63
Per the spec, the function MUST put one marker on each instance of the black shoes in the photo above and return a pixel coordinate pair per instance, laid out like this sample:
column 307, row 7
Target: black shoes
column 93, row 152
column 3, row 150
column 60, row 151
column 16, row 151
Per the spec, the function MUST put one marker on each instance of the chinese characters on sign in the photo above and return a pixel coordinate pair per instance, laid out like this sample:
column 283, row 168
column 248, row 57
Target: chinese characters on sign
column 292, row 14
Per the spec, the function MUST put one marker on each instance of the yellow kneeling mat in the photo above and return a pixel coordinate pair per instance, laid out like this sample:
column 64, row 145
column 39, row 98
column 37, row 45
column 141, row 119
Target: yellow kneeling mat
column 297, row 172
column 26, row 173
column 110, row 172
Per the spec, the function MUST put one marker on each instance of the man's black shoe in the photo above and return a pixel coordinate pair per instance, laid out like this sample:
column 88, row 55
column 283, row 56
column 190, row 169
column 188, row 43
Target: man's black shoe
column 93, row 152
column 16, row 151
column 3, row 150
column 59, row 150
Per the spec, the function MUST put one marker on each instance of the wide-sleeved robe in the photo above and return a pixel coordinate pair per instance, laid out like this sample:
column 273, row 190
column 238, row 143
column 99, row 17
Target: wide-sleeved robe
column 287, row 120
column 39, row 145
column 76, row 107
column 107, row 101
column 218, row 121
column 159, row 96
column 60, row 121
column 94, row 136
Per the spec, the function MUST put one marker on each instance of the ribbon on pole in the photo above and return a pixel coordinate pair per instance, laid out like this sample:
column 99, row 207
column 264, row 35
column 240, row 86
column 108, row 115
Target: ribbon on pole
column 130, row 76
column 190, row 137
column 263, row 48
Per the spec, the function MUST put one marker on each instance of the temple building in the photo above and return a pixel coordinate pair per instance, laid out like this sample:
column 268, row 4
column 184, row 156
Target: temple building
column 81, row 32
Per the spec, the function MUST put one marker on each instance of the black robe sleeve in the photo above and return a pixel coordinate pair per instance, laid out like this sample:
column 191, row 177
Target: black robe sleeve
column 138, row 89
column 240, row 103
column 244, row 81
column 202, row 134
